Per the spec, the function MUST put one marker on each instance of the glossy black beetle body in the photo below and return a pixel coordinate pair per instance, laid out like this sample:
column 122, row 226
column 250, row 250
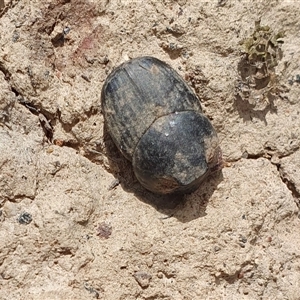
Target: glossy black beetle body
column 156, row 121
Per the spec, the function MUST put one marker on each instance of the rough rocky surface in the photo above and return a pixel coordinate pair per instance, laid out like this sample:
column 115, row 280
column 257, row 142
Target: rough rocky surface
column 75, row 224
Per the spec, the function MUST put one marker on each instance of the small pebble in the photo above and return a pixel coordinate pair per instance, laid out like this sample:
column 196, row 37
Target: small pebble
column 104, row 230
column 25, row 218
column 114, row 184
column 142, row 278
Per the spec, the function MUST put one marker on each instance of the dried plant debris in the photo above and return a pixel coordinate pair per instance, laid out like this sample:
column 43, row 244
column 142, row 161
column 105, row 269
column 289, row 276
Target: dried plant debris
column 263, row 46
column 258, row 82
column 91, row 290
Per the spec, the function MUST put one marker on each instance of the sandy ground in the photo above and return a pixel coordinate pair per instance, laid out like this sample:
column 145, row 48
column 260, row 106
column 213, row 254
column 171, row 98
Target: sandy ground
column 69, row 231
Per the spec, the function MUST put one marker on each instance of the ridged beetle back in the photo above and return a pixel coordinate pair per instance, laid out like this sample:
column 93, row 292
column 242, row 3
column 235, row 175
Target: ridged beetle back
column 156, row 121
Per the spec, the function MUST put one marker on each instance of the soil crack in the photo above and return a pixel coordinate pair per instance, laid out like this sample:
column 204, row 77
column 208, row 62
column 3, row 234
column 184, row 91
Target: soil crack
column 44, row 121
column 291, row 186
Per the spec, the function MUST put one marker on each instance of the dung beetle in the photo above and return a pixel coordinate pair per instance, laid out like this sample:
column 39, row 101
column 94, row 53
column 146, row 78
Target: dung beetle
column 156, row 121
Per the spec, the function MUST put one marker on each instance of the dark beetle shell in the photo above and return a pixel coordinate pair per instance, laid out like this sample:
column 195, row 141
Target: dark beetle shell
column 156, row 121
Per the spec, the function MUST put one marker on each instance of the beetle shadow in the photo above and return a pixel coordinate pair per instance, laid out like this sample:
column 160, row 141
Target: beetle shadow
column 183, row 207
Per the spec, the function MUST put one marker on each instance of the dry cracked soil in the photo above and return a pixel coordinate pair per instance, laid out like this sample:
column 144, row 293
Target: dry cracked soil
column 75, row 223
